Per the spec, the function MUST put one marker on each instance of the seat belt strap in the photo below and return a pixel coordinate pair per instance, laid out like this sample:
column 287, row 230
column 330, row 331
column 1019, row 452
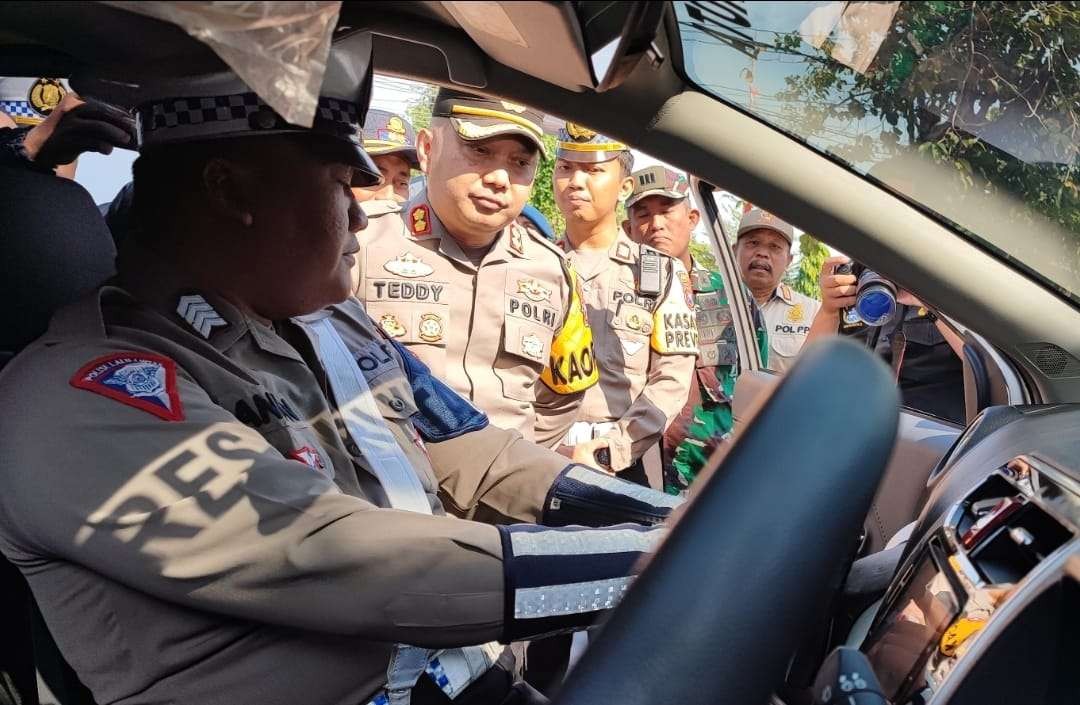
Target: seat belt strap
column 453, row 669
column 364, row 422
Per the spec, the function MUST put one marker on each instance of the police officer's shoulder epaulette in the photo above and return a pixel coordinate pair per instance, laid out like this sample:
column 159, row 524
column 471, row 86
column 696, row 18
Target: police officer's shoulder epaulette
column 542, row 241
column 380, row 206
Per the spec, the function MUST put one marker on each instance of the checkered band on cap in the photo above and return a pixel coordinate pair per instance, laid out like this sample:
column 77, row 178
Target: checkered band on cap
column 19, row 109
column 178, row 119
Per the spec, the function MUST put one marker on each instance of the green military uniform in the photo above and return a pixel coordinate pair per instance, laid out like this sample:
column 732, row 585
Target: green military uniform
column 706, row 418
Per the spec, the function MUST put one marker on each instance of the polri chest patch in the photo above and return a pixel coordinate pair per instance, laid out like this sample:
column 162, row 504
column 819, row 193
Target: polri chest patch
column 141, row 380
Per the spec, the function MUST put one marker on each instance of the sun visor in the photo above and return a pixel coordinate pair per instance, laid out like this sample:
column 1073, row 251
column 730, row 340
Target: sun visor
column 280, row 49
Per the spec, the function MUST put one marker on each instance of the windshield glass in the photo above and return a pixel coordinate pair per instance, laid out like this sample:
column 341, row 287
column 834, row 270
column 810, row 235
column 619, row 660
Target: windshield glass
column 969, row 109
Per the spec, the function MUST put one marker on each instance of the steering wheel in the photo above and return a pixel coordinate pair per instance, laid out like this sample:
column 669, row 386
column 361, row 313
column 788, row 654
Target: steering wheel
column 750, row 567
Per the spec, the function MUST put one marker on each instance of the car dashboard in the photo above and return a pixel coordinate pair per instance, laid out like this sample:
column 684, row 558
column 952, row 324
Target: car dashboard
column 984, row 607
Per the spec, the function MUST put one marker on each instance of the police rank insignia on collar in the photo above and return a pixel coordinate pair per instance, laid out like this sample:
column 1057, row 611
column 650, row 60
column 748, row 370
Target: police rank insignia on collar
column 533, row 290
column 622, row 251
column 408, row 265
column 390, row 323
column 430, row 328
column 141, row 380
column 420, row 220
column 517, row 239
column 199, row 314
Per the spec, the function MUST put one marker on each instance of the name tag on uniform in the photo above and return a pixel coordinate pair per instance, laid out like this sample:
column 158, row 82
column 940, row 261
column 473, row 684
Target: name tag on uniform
column 391, row 290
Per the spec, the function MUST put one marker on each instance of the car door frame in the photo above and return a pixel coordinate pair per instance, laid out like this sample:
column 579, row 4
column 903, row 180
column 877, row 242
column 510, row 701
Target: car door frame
column 701, row 197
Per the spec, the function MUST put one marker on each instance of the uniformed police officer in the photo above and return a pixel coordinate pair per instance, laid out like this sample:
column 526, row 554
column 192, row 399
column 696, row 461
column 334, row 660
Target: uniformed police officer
column 229, row 506
column 662, row 216
column 639, row 304
column 763, row 251
column 390, row 141
column 489, row 307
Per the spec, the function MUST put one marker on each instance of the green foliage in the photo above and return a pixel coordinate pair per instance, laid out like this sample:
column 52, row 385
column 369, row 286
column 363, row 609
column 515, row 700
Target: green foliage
column 419, row 110
column 945, row 73
column 543, row 193
column 804, row 276
column 703, row 256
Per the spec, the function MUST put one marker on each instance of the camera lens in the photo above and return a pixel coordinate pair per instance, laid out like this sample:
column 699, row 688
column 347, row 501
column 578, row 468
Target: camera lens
column 875, row 304
column 875, row 300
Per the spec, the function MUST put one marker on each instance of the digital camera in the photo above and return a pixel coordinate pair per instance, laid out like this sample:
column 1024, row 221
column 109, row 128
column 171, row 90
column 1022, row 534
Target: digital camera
column 875, row 298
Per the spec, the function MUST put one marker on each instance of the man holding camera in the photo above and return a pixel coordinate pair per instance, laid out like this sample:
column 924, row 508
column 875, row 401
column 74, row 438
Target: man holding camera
column 763, row 251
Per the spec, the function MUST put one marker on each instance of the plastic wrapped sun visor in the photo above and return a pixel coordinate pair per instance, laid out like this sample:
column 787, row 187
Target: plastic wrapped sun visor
column 279, row 49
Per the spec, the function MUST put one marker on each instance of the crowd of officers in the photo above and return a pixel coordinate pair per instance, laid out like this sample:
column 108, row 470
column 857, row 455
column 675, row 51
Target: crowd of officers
column 301, row 449
column 612, row 344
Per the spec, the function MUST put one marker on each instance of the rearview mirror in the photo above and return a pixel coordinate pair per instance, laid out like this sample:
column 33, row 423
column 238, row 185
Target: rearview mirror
column 617, row 35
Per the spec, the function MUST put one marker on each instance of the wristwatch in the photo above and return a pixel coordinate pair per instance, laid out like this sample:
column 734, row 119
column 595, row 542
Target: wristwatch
column 927, row 314
column 13, row 150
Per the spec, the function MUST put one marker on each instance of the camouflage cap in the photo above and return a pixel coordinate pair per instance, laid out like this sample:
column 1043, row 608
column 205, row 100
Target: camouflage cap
column 28, row 101
column 389, row 133
column 477, row 118
column 577, row 143
column 757, row 219
column 658, row 181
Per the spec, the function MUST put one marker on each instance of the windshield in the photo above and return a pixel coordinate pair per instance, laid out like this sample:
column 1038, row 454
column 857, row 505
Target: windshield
column 969, row 109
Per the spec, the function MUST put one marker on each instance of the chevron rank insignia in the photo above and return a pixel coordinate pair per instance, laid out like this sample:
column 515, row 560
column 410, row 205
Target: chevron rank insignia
column 142, row 380
column 199, row 314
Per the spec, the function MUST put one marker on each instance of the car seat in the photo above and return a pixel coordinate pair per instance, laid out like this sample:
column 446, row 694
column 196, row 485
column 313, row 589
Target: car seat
column 54, row 248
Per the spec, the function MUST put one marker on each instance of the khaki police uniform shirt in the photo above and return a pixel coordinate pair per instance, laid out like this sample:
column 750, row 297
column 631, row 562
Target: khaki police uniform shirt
column 487, row 330
column 201, row 526
column 641, row 389
column 788, row 317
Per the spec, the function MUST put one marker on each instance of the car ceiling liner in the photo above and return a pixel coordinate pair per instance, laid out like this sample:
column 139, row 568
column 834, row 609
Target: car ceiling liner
column 279, row 49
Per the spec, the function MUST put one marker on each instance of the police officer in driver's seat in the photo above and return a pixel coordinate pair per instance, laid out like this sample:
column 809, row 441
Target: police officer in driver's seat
column 239, row 496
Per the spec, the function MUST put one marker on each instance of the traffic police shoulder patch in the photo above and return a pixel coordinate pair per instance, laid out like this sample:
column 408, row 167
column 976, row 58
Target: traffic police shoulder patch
column 139, row 379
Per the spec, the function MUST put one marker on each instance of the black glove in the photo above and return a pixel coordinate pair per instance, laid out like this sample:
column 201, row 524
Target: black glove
column 93, row 126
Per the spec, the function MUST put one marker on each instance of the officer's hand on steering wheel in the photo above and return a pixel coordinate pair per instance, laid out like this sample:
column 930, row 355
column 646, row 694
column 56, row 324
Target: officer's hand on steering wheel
column 76, row 126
